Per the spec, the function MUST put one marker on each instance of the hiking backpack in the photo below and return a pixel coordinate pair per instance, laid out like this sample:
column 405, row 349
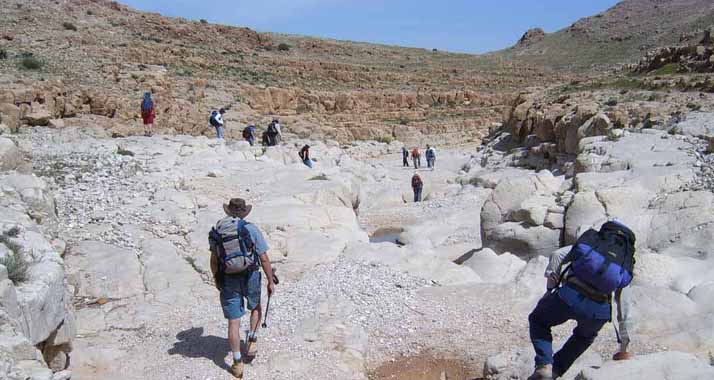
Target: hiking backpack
column 146, row 106
column 605, row 259
column 212, row 119
column 272, row 129
column 236, row 250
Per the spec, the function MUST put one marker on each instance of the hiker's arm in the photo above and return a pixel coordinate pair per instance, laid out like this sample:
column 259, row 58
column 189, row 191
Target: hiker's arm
column 214, row 261
column 268, row 270
column 623, row 302
column 555, row 266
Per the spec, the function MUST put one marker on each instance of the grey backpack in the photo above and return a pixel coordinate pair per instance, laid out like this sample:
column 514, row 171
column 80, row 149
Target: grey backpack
column 235, row 245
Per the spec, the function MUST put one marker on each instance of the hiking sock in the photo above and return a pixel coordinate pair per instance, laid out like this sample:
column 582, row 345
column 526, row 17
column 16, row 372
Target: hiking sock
column 237, row 357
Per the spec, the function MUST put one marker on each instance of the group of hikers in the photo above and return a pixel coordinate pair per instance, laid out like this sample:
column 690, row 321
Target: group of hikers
column 417, row 183
column 271, row 136
column 581, row 285
column 416, row 157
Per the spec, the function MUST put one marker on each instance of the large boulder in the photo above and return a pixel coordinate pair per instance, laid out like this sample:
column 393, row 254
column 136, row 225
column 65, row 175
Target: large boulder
column 38, row 116
column 493, row 268
column 518, row 364
column 10, row 116
column 514, row 216
column 699, row 124
column 663, row 365
column 523, row 240
column 10, row 156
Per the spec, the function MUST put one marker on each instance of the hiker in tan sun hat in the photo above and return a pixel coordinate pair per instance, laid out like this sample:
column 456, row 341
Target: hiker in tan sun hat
column 238, row 249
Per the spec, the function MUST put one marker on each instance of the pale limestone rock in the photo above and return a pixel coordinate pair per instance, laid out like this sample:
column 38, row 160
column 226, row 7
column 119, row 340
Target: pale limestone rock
column 96, row 264
column 10, row 156
column 493, row 268
column 663, row 365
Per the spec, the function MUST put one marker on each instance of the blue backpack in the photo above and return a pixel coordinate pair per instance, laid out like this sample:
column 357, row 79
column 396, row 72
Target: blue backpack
column 605, row 259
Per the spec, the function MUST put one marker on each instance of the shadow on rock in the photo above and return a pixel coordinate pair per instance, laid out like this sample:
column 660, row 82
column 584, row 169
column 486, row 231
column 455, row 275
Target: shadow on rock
column 192, row 344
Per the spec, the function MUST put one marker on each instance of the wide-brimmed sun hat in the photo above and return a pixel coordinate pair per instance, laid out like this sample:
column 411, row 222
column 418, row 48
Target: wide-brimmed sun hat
column 237, row 208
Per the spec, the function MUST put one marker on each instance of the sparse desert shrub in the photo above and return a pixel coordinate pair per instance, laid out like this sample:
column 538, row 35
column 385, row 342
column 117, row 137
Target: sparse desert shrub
column 29, row 62
column 403, row 121
column 320, row 177
column 69, row 26
column 17, row 267
column 694, row 106
column 676, row 130
column 203, row 21
column 283, row 47
column 611, row 102
column 385, row 139
column 90, row 12
column 668, row 69
column 15, row 262
column 3, row 54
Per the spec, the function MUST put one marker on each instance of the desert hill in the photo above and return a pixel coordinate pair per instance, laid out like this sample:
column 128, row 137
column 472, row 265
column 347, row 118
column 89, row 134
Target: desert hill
column 106, row 55
column 621, row 34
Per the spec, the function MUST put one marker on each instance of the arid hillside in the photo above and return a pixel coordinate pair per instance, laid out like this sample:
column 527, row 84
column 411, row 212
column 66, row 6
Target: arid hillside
column 106, row 55
column 621, row 34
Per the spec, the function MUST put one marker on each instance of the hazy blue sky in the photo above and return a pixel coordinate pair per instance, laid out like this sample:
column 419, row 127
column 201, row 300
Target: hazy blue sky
column 456, row 25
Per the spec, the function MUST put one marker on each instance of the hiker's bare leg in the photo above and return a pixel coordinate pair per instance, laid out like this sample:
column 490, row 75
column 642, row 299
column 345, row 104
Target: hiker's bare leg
column 234, row 334
column 255, row 317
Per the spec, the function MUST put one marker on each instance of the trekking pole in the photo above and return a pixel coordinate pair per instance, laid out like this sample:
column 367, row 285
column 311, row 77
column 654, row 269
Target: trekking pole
column 267, row 308
column 267, row 311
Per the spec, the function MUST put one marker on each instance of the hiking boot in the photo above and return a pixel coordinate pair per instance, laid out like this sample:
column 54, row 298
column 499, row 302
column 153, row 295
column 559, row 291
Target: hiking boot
column 237, row 369
column 544, row 372
column 253, row 349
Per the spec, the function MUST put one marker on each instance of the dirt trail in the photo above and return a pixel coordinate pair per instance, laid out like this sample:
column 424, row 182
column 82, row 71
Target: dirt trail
column 424, row 367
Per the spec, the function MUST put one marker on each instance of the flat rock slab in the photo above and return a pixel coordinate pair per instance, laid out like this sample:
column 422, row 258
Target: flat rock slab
column 106, row 271
column 664, row 365
column 699, row 124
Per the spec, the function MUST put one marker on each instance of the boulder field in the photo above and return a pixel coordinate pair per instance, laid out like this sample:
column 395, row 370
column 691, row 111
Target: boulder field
column 118, row 285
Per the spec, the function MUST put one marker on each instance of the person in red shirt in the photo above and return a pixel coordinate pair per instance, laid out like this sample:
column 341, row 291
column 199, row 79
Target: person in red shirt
column 148, row 114
column 417, row 186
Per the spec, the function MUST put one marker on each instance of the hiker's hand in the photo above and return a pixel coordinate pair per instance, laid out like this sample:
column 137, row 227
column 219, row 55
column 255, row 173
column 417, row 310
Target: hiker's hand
column 622, row 355
column 271, row 288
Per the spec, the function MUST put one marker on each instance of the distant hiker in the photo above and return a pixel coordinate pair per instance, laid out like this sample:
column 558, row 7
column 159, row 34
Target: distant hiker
column 417, row 186
column 430, row 157
column 278, row 128
column 148, row 114
column 305, row 156
column 601, row 263
column 265, row 139
column 237, row 250
column 416, row 158
column 405, row 157
column 216, row 121
column 273, row 133
column 249, row 134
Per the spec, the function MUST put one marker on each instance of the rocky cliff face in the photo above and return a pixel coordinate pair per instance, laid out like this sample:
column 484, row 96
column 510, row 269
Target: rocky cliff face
column 37, row 322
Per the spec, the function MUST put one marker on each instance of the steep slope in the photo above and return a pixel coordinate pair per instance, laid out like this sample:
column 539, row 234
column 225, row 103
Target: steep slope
column 107, row 55
column 621, row 34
